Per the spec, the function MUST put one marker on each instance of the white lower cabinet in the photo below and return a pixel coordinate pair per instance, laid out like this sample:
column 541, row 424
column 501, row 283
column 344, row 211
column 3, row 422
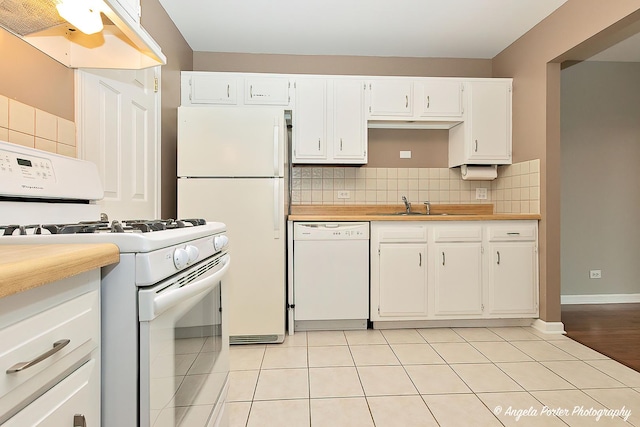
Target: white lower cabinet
column 512, row 262
column 50, row 339
column 402, row 275
column 473, row 270
column 457, row 284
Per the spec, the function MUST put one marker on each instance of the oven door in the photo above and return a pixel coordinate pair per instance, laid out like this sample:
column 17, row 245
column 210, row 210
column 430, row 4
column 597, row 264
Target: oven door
column 183, row 347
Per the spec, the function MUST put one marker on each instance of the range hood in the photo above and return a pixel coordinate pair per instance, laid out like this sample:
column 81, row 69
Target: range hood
column 123, row 43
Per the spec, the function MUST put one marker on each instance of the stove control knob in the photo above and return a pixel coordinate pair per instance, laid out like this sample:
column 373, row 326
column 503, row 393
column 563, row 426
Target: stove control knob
column 220, row 242
column 180, row 258
column 193, row 253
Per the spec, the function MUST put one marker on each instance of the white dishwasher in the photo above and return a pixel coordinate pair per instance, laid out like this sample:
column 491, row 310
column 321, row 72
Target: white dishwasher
column 331, row 275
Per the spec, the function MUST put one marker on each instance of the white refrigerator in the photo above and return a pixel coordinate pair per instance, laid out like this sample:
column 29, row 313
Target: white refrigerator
column 231, row 168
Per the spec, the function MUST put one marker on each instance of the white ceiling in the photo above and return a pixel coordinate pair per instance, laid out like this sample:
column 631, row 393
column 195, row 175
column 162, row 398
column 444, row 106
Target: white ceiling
column 406, row 28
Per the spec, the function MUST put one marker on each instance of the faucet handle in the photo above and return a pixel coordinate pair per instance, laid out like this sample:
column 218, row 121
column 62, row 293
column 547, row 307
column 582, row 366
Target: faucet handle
column 427, row 205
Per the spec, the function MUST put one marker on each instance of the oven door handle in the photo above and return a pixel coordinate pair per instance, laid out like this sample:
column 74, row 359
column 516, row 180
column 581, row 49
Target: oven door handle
column 166, row 300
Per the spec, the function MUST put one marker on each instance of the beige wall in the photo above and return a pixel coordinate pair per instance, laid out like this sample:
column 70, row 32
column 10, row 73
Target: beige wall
column 346, row 65
column 600, row 131
column 429, row 148
column 179, row 57
column 580, row 27
column 33, row 78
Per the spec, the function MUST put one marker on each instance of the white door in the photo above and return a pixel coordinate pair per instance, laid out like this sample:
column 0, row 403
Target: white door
column 391, row 98
column 253, row 210
column 458, row 279
column 228, row 141
column 403, row 286
column 310, row 120
column 513, row 279
column 118, row 118
column 349, row 123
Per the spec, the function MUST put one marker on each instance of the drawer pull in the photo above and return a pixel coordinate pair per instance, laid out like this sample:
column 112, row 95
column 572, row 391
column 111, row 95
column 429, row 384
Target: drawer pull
column 57, row 346
column 513, row 234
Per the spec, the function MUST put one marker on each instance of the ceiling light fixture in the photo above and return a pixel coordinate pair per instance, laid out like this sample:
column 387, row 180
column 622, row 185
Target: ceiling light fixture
column 82, row 14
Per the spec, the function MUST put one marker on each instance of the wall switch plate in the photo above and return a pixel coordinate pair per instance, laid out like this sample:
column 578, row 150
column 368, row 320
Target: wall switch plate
column 344, row 194
column 405, row 154
column 481, row 194
column 595, row 274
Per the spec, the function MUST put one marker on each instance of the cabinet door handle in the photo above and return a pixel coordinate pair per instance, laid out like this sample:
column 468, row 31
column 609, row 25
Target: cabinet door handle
column 340, row 144
column 250, row 91
column 476, row 146
column 420, row 259
column 21, row 366
column 498, row 252
column 428, row 101
column 79, row 421
column 227, row 91
column 406, row 101
column 443, row 258
column 318, row 144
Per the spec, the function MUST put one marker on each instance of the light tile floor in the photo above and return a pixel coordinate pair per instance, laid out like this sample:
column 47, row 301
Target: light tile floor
column 455, row 377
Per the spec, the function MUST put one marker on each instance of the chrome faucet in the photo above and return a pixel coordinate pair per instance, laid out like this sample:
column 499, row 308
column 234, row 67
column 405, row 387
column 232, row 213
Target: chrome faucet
column 428, row 206
column 407, row 204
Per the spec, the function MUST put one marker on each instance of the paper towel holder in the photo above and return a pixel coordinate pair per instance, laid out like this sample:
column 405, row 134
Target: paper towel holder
column 479, row 172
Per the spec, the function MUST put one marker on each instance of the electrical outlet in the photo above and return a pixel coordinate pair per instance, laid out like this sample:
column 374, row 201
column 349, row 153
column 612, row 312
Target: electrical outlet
column 481, row 194
column 595, row 274
column 344, row 194
column 405, row 154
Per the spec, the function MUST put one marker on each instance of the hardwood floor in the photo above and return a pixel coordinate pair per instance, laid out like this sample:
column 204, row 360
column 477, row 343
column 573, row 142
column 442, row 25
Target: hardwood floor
column 611, row 329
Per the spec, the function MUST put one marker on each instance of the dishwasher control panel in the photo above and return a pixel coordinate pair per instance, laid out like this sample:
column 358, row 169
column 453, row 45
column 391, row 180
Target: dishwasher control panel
column 331, row 231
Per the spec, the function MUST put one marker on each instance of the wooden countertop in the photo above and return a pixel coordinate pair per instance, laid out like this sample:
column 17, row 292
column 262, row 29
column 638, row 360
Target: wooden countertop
column 439, row 212
column 25, row 267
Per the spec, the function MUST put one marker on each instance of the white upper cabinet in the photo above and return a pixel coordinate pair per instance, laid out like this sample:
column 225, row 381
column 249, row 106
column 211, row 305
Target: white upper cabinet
column 310, row 120
column 484, row 138
column 206, row 88
column 431, row 102
column 328, row 121
column 390, row 98
column 349, row 123
column 266, row 91
column 213, row 89
column 439, row 98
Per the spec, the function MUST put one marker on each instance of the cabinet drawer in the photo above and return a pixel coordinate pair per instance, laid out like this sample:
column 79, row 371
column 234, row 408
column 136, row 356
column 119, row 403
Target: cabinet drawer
column 75, row 395
column 457, row 234
column 402, row 234
column 76, row 320
column 515, row 232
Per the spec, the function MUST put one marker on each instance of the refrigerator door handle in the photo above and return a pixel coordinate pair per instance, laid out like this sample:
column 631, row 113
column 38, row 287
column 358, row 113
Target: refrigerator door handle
column 276, row 150
column 276, row 208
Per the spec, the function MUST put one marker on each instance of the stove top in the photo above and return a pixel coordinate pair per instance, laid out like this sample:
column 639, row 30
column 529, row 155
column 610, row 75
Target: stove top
column 89, row 227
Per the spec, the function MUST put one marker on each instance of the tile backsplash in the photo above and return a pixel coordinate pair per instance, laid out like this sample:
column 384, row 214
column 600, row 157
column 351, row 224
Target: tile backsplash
column 25, row 125
column 516, row 190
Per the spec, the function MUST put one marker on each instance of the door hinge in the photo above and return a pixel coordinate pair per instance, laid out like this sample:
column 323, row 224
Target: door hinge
column 155, row 84
column 378, row 251
column 481, row 249
column 482, row 307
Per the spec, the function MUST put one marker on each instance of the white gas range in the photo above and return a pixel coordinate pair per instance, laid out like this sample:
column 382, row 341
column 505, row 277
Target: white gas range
column 164, row 334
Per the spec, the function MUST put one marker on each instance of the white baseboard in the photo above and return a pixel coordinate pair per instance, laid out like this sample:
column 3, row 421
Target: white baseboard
column 548, row 327
column 600, row 299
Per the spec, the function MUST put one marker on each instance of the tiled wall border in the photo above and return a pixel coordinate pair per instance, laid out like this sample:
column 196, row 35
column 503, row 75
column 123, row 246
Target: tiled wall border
column 516, row 190
column 25, row 125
